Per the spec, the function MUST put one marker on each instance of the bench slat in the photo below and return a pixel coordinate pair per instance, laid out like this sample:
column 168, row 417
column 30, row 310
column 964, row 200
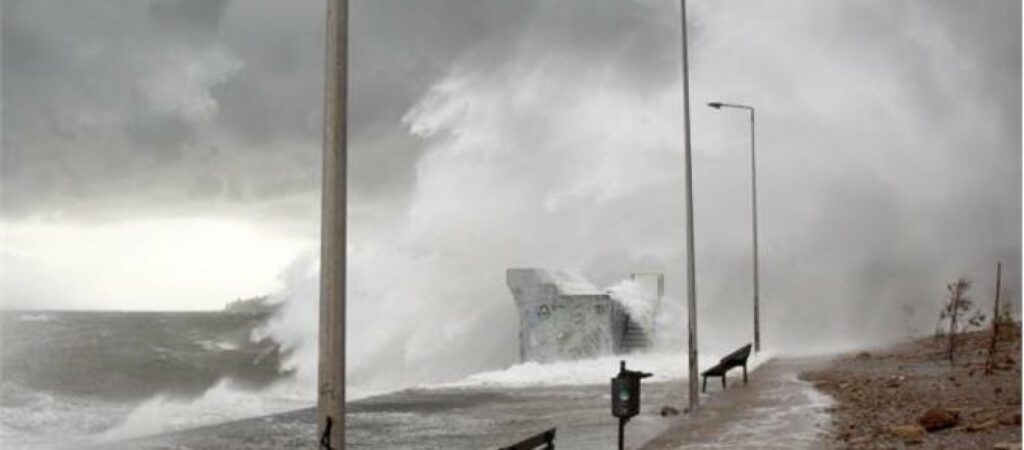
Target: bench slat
column 737, row 358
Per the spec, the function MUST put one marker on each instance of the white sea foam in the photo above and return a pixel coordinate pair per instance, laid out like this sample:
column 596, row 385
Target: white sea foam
column 27, row 416
column 212, row 345
column 36, row 318
column 224, row 402
column 664, row 366
column 639, row 303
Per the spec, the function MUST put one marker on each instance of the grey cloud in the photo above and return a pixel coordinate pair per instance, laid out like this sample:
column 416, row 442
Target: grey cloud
column 76, row 124
column 75, row 90
column 59, row 78
column 189, row 16
column 160, row 132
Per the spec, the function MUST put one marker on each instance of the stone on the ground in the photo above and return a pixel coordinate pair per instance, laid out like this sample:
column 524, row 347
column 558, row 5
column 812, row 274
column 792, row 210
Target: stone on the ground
column 669, row 411
column 938, row 419
column 909, row 434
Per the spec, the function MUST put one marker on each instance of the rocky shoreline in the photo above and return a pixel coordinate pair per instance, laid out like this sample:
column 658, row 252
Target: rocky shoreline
column 911, row 395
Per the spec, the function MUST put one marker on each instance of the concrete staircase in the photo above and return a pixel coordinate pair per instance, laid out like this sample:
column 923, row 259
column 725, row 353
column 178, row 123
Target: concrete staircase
column 634, row 337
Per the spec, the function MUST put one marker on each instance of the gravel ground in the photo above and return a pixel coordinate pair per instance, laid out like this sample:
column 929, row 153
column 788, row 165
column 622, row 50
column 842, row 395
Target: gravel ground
column 882, row 396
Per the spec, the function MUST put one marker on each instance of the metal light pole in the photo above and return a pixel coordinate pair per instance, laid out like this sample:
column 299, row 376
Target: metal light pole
column 691, row 277
column 753, row 214
column 330, row 411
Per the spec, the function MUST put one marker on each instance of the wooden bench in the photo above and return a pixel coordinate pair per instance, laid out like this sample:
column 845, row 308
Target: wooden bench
column 545, row 438
column 737, row 358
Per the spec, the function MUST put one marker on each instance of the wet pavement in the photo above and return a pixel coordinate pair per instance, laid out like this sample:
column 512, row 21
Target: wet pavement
column 776, row 410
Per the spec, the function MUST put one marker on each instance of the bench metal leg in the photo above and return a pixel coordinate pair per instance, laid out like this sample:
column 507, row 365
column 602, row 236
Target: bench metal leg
column 705, row 388
column 723, row 381
column 744, row 374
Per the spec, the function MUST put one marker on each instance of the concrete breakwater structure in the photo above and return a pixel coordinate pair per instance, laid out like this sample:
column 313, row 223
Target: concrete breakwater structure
column 564, row 317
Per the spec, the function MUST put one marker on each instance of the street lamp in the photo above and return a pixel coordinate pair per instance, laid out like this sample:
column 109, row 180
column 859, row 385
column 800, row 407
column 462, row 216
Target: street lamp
column 330, row 410
column 691, row 258
column 753, row 214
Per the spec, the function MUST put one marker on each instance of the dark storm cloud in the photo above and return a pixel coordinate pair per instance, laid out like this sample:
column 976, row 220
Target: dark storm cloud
column 141, row 86
column 111, row 105
column 89, row 99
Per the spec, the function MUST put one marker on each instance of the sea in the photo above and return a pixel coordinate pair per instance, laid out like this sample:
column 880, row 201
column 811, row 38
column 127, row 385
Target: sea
column 73, row 377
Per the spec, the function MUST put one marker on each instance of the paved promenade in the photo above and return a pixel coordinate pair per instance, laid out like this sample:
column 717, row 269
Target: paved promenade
column 775, row 411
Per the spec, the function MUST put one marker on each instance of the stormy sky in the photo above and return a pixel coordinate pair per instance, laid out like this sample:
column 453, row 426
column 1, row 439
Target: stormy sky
column 165, row 154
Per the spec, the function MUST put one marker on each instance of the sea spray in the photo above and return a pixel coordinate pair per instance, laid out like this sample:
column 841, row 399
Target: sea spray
column 294, row 325
column 664, row 366
column 222, row 403
column 638, row 301
column 584, row 190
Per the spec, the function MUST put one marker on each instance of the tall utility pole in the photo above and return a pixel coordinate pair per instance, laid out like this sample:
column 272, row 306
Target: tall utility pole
column 691, row 273
column 753, row 215
column 330, row 411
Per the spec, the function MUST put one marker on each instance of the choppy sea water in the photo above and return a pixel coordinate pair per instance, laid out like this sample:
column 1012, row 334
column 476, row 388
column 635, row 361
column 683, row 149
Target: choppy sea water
column 74, row 377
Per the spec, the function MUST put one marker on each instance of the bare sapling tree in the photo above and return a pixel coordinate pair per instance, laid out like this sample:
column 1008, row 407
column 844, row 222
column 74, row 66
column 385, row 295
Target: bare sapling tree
column 1005, row 312
column 956, row 312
